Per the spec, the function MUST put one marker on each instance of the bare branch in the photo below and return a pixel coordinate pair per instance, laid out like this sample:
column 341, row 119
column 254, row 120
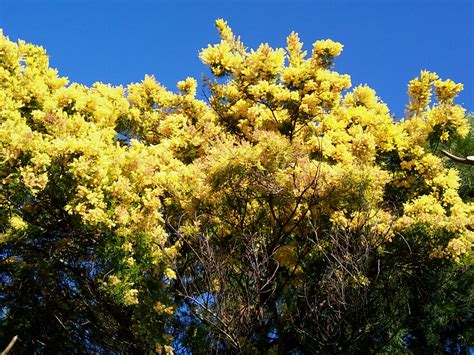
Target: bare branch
column 469, row 160
column 10, row 345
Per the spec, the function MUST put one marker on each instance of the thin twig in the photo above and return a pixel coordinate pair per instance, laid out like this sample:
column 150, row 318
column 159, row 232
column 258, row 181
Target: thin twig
column 10, row 345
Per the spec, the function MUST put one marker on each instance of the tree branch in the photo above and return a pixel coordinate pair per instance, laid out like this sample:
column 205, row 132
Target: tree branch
column 469, row 160
column 10, row 345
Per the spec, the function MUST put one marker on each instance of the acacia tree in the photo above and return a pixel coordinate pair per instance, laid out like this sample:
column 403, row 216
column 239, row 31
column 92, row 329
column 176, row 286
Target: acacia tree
column 317, row 208
column 80, row 221
column 281, row 213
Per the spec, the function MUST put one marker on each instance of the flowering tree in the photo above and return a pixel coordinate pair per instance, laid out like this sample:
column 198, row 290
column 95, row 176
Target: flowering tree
column 282, row 212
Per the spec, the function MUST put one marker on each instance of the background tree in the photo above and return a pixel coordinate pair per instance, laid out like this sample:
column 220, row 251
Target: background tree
column 80, row 227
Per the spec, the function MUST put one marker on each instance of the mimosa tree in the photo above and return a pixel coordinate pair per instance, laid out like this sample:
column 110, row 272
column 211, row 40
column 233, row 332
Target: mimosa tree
column 281, row 212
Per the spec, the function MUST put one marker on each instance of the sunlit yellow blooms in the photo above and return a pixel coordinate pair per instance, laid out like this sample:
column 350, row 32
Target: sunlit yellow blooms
column 220, row 58
column 447, row 90
column 188, row 86
column 424, row 205
column 325, row 51
column 169, row 273
column 294, row 49
column 225, row 32
column 131, row 296
column 419, row 90
column 263, row 64
column 149, row 92
column 445, row 117
column 363, row 145
column 34, row 182
column 17, row 223
column 460, row 246
column 364, row 96
column 447, row 179
column 327, row 46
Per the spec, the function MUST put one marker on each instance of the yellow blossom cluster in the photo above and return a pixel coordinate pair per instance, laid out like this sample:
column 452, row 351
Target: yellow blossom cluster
column 62, row 153
column 304, row 104
column 325, row 51
column 447, row 90
column 440, row 121
column 420, row 93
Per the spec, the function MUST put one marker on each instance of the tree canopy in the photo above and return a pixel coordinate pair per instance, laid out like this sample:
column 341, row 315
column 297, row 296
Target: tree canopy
column 280, row 211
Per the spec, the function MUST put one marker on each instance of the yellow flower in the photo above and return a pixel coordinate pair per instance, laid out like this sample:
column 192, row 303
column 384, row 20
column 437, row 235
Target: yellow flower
column 447, row 90
column 17, row 223
column 170, row 274
column 131, row 296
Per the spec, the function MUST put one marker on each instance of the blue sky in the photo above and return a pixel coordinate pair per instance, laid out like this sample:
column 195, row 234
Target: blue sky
column 386, row 43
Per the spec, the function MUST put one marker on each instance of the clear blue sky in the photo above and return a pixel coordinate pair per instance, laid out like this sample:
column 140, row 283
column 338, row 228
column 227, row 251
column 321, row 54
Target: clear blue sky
column 386, row 43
